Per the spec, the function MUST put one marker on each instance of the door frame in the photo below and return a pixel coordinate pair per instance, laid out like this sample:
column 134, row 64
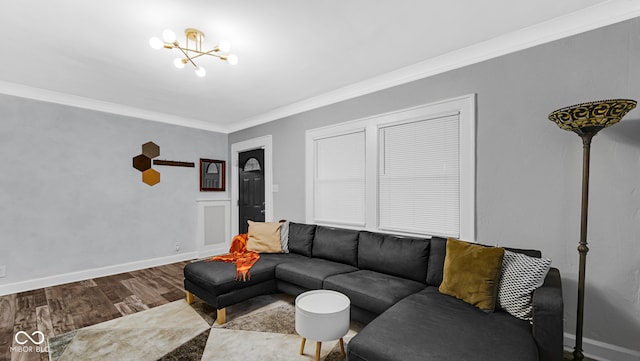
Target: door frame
column 264, row 142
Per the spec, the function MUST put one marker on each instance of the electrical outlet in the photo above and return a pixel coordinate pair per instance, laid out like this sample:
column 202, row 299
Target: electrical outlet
column 177, row 246
column 3, row 271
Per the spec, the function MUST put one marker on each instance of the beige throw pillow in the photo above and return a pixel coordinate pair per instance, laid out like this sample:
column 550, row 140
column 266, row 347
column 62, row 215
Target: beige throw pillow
column 264, row 237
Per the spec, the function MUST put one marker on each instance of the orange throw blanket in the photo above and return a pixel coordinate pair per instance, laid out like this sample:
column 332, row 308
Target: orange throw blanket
column 239, row 255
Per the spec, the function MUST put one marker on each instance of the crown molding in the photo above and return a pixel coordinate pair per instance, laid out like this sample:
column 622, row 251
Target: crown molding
column 597, row 16
column 50, row 96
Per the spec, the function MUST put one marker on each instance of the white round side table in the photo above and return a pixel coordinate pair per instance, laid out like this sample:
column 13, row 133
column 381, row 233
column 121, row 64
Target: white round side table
column 322, row 315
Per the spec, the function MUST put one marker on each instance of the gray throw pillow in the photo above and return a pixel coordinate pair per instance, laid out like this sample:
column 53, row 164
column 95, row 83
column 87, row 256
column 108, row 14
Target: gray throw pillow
column 284, row 237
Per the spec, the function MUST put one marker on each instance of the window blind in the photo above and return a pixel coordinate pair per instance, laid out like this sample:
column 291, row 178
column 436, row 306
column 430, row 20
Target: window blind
column 339, row 180
column 419, row 177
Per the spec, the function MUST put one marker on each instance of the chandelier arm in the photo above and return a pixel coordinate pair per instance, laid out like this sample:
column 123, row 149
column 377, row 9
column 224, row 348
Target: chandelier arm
column 200, row 53
column 186, row 55
column 203, row 53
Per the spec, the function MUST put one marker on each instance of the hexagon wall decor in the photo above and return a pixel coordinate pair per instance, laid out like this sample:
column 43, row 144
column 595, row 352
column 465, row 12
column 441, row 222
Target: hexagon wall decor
column 141, row 162
column 151, row 177
column 151, row 150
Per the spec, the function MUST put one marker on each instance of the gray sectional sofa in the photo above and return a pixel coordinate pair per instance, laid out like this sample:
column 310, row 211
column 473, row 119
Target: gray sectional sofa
column 392, row 282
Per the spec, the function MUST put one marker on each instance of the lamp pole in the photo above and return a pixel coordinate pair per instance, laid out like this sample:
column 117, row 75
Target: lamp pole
column 582, row 246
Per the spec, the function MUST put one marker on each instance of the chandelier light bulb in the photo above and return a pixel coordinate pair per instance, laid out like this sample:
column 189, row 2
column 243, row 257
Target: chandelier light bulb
column 169, row 36
column 224, row 46
column 156, row 43
column 178, row 63
column 200, row 71
column 232, row 59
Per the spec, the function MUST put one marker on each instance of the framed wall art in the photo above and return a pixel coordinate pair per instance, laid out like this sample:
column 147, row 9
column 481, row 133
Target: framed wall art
column 212, row 175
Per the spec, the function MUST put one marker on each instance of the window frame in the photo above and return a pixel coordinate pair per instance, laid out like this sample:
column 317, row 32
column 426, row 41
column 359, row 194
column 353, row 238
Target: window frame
column 464, row 106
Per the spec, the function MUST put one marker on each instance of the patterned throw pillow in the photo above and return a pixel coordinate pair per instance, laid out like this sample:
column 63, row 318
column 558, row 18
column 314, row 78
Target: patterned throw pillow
column 521, row 275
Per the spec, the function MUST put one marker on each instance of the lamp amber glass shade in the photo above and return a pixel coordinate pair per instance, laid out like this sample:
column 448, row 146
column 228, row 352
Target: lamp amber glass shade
column 591, row 117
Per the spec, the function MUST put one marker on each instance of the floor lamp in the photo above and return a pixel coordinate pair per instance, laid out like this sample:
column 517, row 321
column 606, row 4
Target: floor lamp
column 587, row 120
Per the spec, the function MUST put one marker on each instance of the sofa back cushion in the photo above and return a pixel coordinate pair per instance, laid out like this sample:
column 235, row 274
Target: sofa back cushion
column 527, row 252
column 301, row 238
column 436, row 261
column 336, row 244
column 394, row 255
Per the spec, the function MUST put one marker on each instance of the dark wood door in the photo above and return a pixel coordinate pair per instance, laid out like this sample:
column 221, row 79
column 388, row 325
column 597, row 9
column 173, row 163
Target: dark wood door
column 250, row 188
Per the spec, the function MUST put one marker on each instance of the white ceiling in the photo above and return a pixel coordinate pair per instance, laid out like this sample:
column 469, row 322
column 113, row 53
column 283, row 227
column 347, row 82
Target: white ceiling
column 294, row 55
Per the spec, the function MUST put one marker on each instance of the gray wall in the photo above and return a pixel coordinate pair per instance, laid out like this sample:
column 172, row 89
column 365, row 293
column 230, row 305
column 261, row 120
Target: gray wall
column 71, row 200
column 528, row 170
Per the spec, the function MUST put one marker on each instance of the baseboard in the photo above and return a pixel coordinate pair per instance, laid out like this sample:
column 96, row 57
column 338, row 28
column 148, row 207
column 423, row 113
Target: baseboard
column 92, row 273
column 213, row 251
column 601, row 351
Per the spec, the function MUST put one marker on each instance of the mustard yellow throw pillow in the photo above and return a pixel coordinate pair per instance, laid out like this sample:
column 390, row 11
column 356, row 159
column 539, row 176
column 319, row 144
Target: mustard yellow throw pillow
column 472, row 273
column 264, row 237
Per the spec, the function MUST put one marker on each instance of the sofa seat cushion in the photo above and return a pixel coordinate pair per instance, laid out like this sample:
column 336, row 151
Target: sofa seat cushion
column 279, row 258
column 311, row 272
column 372, row 291
column 220, row 277
column 428, row 325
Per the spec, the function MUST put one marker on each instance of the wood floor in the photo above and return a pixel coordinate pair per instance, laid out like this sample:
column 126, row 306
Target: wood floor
column 64, row 308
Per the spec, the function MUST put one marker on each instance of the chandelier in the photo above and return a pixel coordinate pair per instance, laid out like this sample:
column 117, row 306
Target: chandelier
column 192, row 49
